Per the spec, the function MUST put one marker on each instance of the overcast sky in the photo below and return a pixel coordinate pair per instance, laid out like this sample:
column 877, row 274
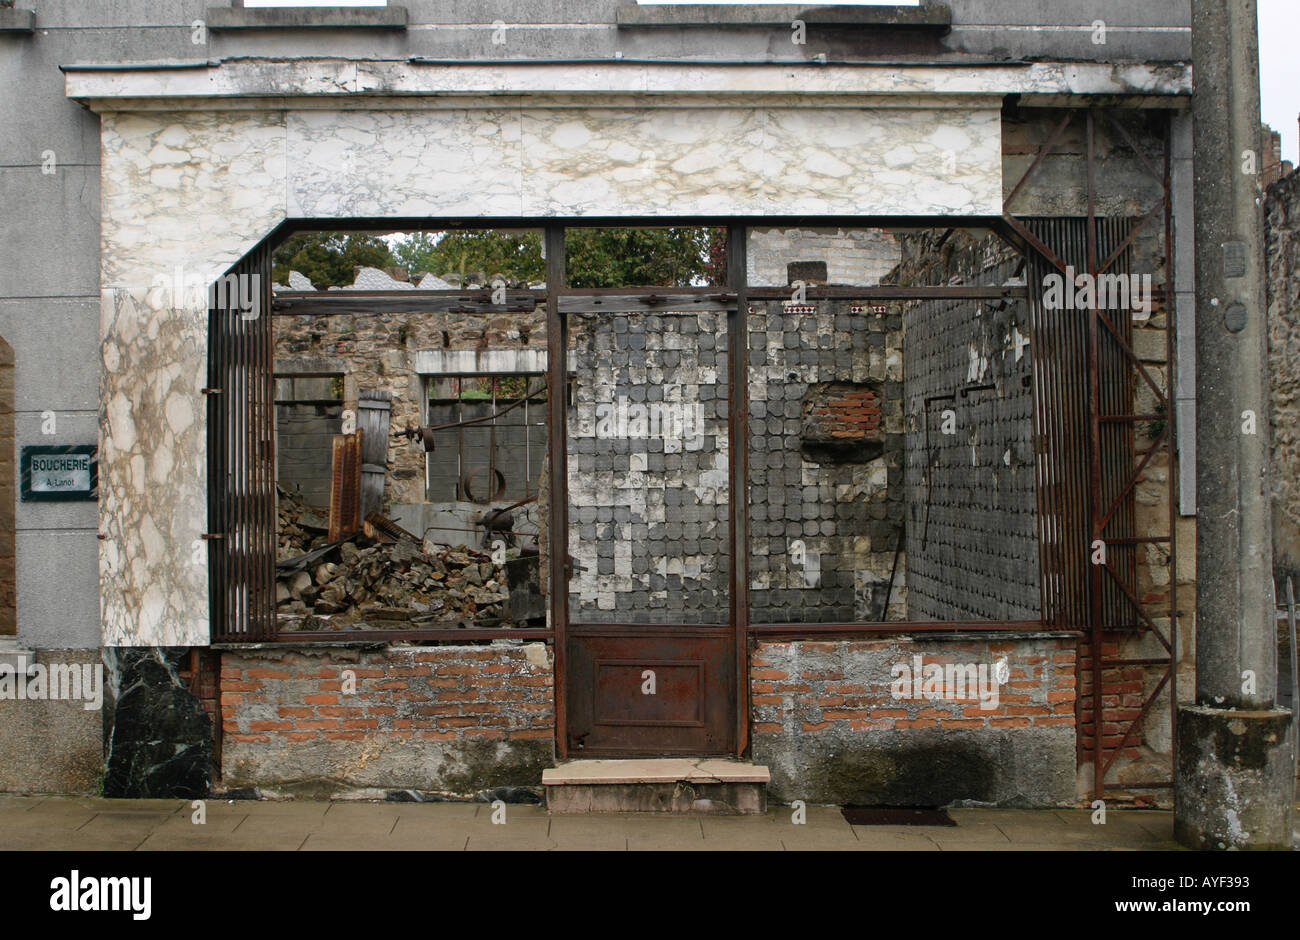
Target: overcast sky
column 1279, row 28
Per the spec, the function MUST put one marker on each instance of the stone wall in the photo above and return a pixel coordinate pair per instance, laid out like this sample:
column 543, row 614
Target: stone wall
column 834, row 726
column 360, row 720
column 52, row 745
column 1283, row 245
column 380, row 352
column 825, row 520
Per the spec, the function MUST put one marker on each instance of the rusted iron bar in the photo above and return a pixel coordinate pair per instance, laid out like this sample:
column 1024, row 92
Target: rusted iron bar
column 362, row 302
column 330, row 637
column 557, row 443
column 673, row 302
column 738, row 467
column 888, row 292
column 905, row 626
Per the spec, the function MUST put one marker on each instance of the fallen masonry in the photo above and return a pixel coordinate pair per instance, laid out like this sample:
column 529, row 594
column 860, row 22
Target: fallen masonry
column 380, row 578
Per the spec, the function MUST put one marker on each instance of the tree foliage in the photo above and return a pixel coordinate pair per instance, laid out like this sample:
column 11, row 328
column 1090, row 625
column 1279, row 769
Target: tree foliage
column 597, row 257
column 516, row 257
column 329, row 259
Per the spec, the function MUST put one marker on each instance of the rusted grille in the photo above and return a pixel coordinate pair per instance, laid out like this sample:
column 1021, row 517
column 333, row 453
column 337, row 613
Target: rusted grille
column 1079, row 476
column 241, row 452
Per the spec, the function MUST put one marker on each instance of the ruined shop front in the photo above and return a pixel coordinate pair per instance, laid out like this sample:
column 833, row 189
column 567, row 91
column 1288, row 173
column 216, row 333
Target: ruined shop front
column 823, row 509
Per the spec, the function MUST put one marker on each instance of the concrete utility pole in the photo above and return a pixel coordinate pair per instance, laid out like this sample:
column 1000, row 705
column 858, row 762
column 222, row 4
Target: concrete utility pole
column 1234, row 782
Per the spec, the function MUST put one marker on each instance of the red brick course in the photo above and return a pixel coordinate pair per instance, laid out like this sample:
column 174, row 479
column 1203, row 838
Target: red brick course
column 433, row 693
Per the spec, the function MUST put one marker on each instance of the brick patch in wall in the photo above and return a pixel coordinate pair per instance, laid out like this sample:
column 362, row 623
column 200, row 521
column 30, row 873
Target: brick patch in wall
column 334, row 721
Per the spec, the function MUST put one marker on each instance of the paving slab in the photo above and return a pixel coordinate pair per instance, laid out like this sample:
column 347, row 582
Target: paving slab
column 895, row 838
column 82, row 823
column 409, row 841
column 175, row 839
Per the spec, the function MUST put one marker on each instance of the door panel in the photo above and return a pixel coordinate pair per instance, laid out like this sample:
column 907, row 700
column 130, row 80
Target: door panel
column 651, row 694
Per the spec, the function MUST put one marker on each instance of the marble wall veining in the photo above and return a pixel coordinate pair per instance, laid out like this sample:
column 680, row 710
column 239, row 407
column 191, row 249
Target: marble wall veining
column 185, row 196
column 187, row 193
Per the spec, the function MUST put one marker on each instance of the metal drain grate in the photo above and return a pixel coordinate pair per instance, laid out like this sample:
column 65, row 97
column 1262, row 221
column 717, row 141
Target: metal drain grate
column 882, row 816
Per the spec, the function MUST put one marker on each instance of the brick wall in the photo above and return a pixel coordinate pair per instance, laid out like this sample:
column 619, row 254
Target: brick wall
column 452, row 719
column 828, row 724
column 844, row 412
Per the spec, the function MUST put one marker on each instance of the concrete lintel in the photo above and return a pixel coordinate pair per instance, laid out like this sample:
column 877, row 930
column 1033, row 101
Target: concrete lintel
column 226, row 18
column 263, row 84
column 17, row 21
column 479, row 361
column 677, row 15
column 310, row 368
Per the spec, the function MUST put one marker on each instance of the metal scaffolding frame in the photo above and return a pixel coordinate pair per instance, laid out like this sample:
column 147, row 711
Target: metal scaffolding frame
column 1115, row 605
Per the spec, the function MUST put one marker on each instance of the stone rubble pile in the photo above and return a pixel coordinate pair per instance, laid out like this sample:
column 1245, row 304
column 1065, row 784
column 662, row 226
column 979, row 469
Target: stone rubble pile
column 376, row 584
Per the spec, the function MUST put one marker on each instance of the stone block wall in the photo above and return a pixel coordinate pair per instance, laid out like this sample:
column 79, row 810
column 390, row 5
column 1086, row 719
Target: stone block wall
column 344, row 721
column 649, row 499
column 825, row 521
column 828, row 722
column 1283, row 244
column 857, row 257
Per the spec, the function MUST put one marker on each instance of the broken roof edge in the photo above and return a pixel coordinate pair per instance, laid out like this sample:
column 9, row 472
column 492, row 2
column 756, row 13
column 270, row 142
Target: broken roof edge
column 337, row 82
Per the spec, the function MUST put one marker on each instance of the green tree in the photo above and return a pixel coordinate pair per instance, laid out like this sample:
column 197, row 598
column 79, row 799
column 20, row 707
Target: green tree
column 650, row 257
column 329, row 259
column 515, row 256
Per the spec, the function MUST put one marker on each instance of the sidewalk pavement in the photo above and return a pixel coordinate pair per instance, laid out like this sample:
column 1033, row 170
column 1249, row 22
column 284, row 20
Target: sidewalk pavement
column 86, row 824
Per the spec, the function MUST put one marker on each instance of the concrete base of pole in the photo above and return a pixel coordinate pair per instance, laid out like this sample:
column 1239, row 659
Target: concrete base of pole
column 1234, row 786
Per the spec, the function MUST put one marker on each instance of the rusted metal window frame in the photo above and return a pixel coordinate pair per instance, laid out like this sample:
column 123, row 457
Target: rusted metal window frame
column 560, row 300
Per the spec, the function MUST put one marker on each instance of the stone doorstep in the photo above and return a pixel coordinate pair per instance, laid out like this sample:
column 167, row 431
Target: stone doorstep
column 654, row 770
column 680, row 786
